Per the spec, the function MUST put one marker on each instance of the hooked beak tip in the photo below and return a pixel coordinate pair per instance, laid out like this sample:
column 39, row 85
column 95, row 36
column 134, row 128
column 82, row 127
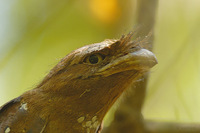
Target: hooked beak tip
column 146, row 58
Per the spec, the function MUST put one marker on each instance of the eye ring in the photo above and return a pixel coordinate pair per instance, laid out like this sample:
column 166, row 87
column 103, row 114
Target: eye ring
column 94, row 59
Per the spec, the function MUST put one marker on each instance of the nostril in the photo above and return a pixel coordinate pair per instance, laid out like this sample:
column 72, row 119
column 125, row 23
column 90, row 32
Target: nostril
column 134, row 48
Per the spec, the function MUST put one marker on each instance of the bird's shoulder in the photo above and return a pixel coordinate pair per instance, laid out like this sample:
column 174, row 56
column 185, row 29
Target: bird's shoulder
column 7, row 113
column 9, row 104
column 14, row 117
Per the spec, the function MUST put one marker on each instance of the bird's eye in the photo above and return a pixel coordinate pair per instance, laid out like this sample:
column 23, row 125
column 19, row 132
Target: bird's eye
column 94, row 59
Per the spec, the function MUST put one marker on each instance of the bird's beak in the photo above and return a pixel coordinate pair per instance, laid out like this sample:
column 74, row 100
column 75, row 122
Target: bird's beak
column 141, row 60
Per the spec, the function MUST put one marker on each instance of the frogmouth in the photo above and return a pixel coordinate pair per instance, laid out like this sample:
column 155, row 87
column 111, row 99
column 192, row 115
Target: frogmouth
column 77, row 93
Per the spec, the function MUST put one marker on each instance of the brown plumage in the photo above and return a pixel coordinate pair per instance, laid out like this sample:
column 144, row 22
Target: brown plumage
column 77, row 93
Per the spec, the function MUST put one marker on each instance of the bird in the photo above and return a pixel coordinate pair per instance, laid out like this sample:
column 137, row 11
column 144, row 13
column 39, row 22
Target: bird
column 77, row 93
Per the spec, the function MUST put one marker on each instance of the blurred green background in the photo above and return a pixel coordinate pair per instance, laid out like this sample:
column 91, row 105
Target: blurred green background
column 35, row 35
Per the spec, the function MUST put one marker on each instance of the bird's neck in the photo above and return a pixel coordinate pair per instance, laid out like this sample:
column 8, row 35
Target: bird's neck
column 63, row 110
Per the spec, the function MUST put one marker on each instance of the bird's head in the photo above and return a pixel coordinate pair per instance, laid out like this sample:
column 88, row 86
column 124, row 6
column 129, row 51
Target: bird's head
column 94, row 76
